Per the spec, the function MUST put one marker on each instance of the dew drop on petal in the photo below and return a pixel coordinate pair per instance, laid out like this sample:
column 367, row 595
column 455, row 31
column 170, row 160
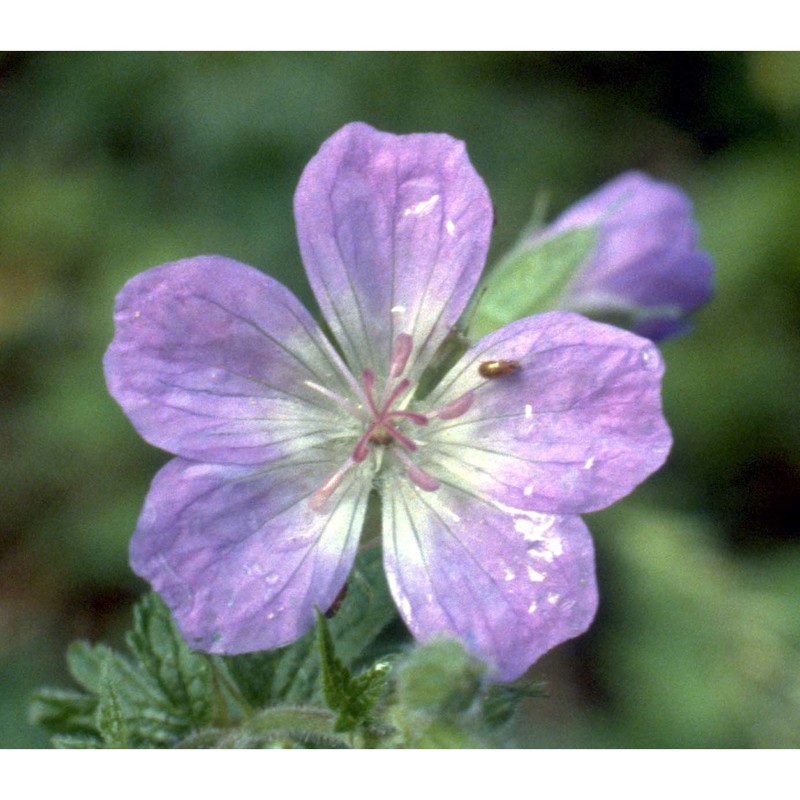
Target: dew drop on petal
column 526, row 423
column 533, row 526
column 649, row 358
column 555, row 546
column 534, row 576
column 532, row 607
column 508, row 574
column 423, row 207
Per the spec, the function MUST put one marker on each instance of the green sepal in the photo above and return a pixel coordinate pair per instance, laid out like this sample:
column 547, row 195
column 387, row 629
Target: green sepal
column 440, row 679
column 502, row 700
column 529, row 280
column 437, row 692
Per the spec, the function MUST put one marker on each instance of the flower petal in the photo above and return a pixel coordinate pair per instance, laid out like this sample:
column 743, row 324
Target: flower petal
column 239, row 555
column 510, row 584
column 394, row 232
column 646, row 260
column 575, row 426
column 213, row 360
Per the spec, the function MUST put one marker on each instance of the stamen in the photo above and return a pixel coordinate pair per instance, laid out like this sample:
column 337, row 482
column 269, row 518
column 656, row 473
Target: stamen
column 381, row 431
column 321, row 496
column 369, row 386
column 361, row 451
column 357, row 412
column 409, row 444
column 421, row 478
column 418, row 476
column 398, row 390
column 415, row 417
column 455, row 408
column 401, row 350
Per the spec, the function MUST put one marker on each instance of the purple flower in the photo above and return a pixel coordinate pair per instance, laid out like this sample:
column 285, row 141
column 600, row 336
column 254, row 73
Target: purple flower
column 646, row 262
column 280, row 440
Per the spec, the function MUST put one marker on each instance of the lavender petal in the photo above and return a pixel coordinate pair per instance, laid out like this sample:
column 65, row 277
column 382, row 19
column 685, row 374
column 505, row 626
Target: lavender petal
column 394, row 232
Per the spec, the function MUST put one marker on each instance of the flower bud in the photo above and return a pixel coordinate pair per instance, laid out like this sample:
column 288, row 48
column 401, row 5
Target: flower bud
column 645, row 270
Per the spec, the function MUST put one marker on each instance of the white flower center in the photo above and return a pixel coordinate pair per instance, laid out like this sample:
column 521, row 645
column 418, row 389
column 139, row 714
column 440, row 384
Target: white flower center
column 383, row 427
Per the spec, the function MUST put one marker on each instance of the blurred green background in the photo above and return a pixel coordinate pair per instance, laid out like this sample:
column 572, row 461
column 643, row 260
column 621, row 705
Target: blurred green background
column 112, row 163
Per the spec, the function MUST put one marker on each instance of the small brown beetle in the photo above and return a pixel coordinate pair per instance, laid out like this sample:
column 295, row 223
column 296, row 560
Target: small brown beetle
column 498, row 368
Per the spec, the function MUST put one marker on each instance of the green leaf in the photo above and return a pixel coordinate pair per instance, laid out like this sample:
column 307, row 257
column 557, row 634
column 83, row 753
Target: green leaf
column 254, row 675
column 530, row 280
column 352, row 699
column 85, row 662
column 110, row 718
column 166, row 695
column 65, row 712
column 152, row 700
column 67, row 742
column 184, row 677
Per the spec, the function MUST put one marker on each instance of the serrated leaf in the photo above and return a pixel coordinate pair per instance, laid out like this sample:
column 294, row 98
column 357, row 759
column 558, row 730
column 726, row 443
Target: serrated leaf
column 152, row 702
column 530, row 279
column 149, row 717
column 254, row 675
column 67, row 742
column 352, row 699
column 184, row 676
column 336, row 678
column 110, row 718
column 85, row 661
column 64, row 712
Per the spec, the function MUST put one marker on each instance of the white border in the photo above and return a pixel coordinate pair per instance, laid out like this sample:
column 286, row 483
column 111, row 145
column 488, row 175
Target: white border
column 405, row 25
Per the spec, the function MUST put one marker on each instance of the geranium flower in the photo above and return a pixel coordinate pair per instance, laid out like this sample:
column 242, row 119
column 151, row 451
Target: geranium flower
column 280, row 440
column 646, row 264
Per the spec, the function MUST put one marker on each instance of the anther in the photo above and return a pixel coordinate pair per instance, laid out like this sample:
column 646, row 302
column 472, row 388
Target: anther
column 320, row 497
column 417, row 475
column 401, row 350
column 455, row 408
